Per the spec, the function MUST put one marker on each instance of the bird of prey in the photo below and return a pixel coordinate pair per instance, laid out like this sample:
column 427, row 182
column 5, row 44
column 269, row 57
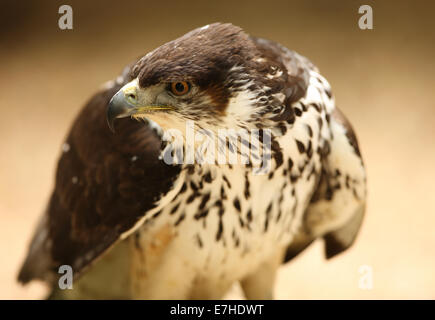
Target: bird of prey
column 132, row 225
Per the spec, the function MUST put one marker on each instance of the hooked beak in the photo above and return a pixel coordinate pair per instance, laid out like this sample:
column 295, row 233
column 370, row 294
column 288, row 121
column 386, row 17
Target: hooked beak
column 126, row 103
column 118, row 107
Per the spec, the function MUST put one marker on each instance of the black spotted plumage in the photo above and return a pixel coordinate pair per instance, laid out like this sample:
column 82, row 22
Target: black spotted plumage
column 201, row 227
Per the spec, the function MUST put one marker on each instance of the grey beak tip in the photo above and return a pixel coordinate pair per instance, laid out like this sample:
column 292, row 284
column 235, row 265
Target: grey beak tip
column 118, row 107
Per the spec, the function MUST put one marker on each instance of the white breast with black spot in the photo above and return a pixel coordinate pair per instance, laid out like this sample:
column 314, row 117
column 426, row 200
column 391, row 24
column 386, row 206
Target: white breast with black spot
column 229, row 220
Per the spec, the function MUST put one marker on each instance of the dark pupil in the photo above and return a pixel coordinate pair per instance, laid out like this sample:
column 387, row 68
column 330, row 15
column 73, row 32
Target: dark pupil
column 179, row 87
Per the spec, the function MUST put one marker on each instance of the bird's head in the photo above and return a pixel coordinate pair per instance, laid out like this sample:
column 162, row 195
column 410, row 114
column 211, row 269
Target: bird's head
column 211, row 75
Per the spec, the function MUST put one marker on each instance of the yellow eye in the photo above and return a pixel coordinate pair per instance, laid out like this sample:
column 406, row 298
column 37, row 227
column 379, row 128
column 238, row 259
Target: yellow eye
column 179, row 88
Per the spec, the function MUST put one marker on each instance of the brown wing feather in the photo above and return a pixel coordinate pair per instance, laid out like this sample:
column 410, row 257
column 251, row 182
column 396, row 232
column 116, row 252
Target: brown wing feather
column 104, row 184
column 295, row 77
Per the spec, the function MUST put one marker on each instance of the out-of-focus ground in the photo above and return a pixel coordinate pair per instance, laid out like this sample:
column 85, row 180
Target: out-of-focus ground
column 383, row 80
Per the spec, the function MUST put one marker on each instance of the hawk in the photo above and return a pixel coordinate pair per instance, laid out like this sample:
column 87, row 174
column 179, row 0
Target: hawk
column 133, row 225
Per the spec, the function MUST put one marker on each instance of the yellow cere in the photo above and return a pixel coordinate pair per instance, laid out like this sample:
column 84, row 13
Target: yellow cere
column 153, row 108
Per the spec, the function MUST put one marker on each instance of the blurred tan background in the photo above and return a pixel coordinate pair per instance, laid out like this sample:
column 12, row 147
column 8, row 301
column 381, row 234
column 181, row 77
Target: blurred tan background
column 383, row 80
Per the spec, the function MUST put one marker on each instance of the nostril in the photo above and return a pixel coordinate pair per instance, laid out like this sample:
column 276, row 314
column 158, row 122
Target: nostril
column 131, row 96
